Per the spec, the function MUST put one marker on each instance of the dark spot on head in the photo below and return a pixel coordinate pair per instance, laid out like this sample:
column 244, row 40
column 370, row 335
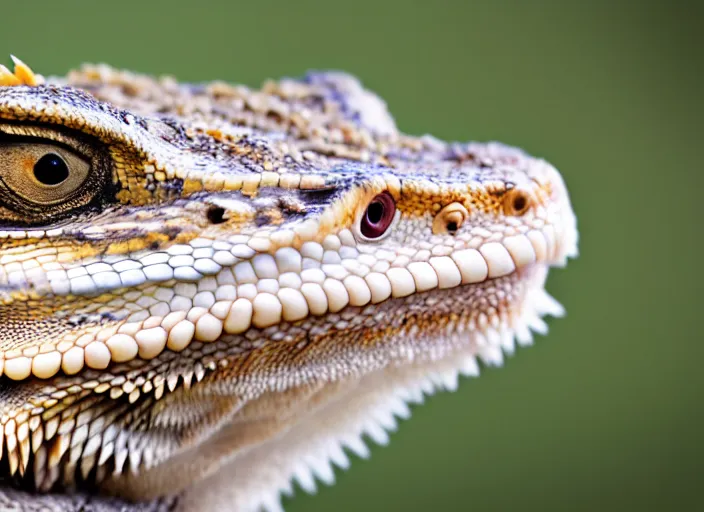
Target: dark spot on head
column 262, row 220
column 452, row 227
column 90, row 319
column 174, row 187
column 319, row 197
column 216, row 214
column 171, row 232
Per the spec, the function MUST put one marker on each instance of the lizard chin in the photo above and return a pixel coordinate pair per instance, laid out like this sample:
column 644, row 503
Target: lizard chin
column 307, row 425
column 369, row 407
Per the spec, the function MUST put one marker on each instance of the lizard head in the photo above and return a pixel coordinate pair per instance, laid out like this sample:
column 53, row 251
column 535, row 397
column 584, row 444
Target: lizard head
column 202, row 277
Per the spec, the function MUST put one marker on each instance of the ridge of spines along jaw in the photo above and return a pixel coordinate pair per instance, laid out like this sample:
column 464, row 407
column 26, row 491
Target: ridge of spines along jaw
column 79, row 436
column 201, row 290
column 22, row 75
column 318, row 461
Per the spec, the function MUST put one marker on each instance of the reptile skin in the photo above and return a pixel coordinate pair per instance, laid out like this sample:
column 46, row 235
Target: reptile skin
column 210, row 291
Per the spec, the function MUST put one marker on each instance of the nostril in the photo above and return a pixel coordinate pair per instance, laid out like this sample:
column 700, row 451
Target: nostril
column 516, row 202
column 449, row 220
column 216, row 214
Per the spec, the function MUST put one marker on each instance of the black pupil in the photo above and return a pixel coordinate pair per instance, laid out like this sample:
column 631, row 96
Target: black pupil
column 375, row 212
column 51, row 169
column 519, row 203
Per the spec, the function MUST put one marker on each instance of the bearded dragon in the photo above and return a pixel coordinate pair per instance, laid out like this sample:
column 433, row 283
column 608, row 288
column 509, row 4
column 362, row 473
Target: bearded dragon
column 209, row 291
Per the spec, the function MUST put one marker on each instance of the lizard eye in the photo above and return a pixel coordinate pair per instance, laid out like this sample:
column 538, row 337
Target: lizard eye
column 41, row 173
column 47, row 174
column 378, row 216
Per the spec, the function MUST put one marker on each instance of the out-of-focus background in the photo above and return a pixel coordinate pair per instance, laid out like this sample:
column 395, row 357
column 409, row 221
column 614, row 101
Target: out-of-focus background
column 605, row 413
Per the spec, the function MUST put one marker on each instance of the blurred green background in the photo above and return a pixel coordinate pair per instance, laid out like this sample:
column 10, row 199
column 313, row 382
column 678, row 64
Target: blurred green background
column 606, row 412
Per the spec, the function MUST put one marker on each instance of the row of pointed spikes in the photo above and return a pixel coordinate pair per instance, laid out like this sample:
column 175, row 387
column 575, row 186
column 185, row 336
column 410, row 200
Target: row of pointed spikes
column 23, row 75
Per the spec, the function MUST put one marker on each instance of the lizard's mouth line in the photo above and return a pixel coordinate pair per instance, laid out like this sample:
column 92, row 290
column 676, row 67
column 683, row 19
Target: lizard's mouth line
column 275, row 294
column 488, row 334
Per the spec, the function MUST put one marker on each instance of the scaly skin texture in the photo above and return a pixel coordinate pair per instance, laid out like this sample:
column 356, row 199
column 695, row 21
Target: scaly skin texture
column 194, row 315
